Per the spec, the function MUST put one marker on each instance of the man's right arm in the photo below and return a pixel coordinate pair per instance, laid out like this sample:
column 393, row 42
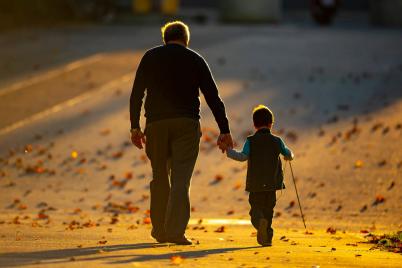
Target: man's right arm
column 137, row 95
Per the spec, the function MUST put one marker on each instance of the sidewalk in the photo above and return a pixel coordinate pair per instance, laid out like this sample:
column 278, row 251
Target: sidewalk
column 127, row 245
column 337, row 102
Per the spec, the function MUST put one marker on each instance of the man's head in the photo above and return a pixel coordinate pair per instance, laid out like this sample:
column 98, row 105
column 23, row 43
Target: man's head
column 262, row 117
column 175, row 31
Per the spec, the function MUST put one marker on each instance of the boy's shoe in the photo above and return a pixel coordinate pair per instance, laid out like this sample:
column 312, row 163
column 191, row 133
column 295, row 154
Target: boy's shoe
column 262, row 234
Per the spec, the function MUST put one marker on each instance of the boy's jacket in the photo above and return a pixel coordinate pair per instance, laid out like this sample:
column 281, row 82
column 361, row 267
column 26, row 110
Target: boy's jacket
column 264, row 171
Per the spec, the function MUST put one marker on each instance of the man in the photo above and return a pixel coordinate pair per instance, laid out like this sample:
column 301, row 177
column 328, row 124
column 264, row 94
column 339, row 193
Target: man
column 172, row 75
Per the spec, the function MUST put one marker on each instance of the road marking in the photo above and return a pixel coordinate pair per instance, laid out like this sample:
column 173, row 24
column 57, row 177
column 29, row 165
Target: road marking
column 220, row 222
column 71, row 102
column 50, row 74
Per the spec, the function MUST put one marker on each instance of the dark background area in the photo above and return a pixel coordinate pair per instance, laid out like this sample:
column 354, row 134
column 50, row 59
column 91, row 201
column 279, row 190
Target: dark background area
column 287, row 4
column 23, row 13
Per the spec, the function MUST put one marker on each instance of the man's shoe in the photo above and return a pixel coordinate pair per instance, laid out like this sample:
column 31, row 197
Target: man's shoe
column 179, row 240
column 158, row 237
column 262, row 234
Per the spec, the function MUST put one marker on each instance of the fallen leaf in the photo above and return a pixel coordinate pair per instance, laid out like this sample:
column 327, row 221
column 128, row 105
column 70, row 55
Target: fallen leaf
column 376, row 126
column 312, row 195
column 104, row 132
column 117, row 155
column 291, row 204
column 358, row 164
column 363, row 209
column 331, row 230
column 237, row 186
column 391, row 185
column 176, row 260
column 382, row 163
column 338, row 208
column 218, row 178
column 277, row 214
column 144, row 158
column 378, row 200
column 77, row 211
column 42, row 216
column 22, row 207
column 220, row 229
column 147, row 220
column 28, row 148
column 74, row 154
column 128, row 175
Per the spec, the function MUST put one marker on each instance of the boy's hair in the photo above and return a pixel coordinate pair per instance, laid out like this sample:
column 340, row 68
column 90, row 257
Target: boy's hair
column 262, row 116
column 175, row 30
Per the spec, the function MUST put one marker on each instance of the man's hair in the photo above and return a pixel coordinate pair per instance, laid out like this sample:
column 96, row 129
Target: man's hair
column 175, row 30
column 262, row 116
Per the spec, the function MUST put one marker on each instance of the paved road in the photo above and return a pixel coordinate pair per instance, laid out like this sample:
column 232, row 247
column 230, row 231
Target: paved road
column 337, row 100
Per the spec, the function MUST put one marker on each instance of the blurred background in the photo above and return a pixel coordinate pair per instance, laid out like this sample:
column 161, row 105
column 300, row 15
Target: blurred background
column 21, row 13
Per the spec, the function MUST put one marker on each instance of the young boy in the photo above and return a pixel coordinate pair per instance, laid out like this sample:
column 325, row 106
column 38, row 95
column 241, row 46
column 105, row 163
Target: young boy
column 264, row 171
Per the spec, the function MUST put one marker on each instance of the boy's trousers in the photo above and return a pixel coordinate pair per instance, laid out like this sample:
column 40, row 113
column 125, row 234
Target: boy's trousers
column 172, row 145
column 262, row 207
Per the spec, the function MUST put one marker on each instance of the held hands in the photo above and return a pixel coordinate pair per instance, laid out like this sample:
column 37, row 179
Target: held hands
column 225, row 142
column 138, row 138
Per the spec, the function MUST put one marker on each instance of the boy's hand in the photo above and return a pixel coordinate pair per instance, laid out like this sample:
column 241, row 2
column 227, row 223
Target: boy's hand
column 137, row 138
column 225, row 142
column 288, row 158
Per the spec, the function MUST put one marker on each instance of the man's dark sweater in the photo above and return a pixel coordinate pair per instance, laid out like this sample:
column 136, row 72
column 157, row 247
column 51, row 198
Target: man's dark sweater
column 172, row 76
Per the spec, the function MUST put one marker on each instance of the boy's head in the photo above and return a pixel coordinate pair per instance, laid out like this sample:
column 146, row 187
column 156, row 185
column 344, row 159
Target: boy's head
column 176, row 31
column 262, row 117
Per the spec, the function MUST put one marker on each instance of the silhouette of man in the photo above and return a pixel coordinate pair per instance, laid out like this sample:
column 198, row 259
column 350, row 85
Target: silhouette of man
column 172, row 76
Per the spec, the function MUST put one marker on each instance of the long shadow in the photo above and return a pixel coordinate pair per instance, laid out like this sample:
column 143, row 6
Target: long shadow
column 185, row 254
column 65, row 255
column 49, row 256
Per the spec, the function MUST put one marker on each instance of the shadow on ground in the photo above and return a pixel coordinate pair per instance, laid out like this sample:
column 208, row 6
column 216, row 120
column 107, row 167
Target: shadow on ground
column 58, row 256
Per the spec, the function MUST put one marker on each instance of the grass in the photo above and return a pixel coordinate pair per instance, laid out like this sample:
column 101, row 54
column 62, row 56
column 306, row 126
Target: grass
column 389, row 242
